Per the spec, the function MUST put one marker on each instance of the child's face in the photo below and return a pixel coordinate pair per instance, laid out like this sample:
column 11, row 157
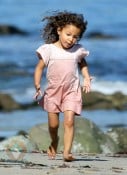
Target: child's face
column 68, row 36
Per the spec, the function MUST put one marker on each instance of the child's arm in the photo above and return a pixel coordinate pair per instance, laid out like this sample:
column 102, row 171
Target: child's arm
column 85, row 72
column 37, row 76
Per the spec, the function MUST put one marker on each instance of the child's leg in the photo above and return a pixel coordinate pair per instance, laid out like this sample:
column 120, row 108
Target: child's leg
column 53, row 124
column 69, row 118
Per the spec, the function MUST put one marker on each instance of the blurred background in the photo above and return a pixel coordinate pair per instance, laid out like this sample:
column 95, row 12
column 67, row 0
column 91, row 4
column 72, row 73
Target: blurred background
column 107, row 59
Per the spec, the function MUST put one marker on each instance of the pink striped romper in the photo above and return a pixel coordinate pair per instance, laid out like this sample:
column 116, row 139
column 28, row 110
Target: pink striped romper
column 63, row 91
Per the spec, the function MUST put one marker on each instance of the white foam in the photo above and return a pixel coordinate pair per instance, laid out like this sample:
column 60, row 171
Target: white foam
column 109, row 87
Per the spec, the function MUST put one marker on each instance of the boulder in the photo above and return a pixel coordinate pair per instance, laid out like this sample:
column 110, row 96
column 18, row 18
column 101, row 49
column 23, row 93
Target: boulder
column 119, row 135
column 101, row 35
column 7, row 103
column 11, row 30
column 17, row 143
column 88, row 138
column 98, row 100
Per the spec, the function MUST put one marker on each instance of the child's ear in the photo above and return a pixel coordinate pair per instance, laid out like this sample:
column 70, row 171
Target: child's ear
column 58, row 30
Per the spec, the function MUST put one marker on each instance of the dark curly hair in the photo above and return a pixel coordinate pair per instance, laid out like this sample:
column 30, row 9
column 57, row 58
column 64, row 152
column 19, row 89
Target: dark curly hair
column 60, row 20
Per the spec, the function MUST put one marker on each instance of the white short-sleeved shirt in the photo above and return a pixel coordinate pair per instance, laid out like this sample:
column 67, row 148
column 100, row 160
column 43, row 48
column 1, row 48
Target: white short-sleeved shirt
column 62, row 64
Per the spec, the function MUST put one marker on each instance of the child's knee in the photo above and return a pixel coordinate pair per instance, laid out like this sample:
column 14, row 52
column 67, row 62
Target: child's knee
column 53, row 127
column 69, row 123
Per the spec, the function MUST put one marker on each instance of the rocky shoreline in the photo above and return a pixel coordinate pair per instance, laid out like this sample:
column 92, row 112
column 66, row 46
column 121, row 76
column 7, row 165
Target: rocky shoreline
column 91, row 101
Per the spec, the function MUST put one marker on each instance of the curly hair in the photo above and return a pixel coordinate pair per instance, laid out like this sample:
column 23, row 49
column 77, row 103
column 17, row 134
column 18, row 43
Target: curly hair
column 60, row 20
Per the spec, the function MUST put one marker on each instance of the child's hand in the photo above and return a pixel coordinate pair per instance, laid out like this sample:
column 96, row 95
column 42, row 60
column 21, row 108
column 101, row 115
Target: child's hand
column 37, row 94
column 87, row 85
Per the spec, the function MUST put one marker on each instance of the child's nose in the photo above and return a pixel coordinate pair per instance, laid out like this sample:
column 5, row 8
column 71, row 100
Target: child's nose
column 71, row 39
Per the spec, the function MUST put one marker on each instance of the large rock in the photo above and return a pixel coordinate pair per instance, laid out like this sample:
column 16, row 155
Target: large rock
column 7, row 103
column 88, row 138
column 17, row 143
column 9, row 30
column 97, row 100
column 100, row 35
column 119, row 135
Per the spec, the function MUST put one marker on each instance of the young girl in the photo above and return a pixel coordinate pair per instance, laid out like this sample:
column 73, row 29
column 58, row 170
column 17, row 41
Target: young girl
column 62, row 55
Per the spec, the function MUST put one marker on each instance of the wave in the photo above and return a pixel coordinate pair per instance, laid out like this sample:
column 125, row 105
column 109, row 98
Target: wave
column 110, row 87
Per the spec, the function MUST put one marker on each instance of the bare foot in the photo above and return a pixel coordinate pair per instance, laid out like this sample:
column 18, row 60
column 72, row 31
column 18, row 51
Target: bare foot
column 52, row 150
column 68, row 158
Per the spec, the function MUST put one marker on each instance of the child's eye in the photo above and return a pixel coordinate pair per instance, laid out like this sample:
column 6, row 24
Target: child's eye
column 76, row 37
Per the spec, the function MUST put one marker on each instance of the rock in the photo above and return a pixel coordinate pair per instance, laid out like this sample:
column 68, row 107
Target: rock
column 11, row 30
column 40, row 136
column 92, row 138
column 17, row 143
column 7, row 103
column 119, row 135
column 100, row 35
column 88, row 138
column 23, row 133
column 97, row 100
column 2, row 138
column 119, row 101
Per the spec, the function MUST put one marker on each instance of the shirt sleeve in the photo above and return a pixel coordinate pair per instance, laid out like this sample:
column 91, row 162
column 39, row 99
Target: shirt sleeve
column 82, row 53
column 44, row 52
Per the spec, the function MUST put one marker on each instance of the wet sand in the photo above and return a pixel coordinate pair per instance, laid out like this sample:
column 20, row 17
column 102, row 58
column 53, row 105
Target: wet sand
column 14, row 163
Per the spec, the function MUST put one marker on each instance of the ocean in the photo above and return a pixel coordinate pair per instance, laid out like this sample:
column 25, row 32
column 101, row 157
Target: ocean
column 107, row 59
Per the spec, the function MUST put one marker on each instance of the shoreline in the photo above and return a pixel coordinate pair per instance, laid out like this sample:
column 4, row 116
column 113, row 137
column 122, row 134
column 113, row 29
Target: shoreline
column 39, row 163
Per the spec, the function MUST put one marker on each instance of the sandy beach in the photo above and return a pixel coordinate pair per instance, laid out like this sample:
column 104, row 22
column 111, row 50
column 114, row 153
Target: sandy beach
column 14, row 163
